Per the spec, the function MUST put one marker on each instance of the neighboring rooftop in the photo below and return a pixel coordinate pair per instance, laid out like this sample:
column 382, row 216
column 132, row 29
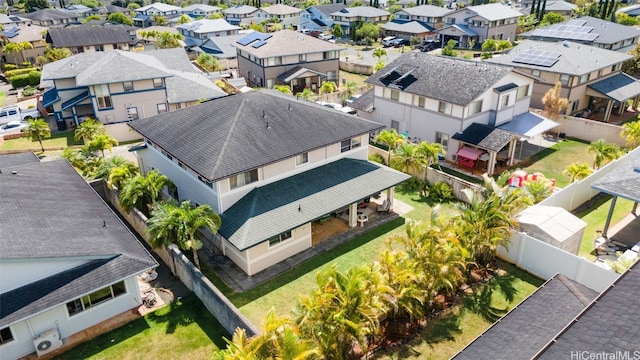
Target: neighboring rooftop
column 204, row 26
column 280, row 9
column 221, row 47
column 427, row 10
column 361, row 11
column 328, row 9
column 240, row 10
column 231, row 135
column 572, row 58
column 200, row 7
column 443, row 78
column 160, row 7
column 493, row 11
column 50, row 15
column 283, row 43
column 87, row 35
column 411, row 27
column 29, row 32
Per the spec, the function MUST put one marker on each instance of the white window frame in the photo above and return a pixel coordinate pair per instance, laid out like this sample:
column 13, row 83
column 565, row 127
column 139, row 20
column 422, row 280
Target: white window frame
column 394, row 95
column 302, row 159
column 103, row 96
column 127, row 88
column 445, row 107
column 523, row 92
column 162, row 108
column 475, row 107
column 442, row 139
column 243, row 179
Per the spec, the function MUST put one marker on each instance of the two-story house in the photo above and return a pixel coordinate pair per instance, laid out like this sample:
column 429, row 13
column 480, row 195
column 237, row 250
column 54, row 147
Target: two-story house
column 462, row 104
column 430, row 15
column 23, row 33
column 318, row 17
column 589, row 31
column 68, row 263
column 285, row 15
column 408, row 29
column 560, row 7
column 144, row 15
column 591, row 77
column 222, row 48
column 351, row 17
column 89, row 38
column 9, row 21
column 240, row 14
column 287, row 57
column 197, row 11
column 53, row 18
column 120, row 85
column 270, row 165
column 197, row 32
column 479, row 23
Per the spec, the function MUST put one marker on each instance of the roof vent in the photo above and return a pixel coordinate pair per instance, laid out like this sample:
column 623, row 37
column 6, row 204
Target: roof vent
column 14, row 172
column 565, row 43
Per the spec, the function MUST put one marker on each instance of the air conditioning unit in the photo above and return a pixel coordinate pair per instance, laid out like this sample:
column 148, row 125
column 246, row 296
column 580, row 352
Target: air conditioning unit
column 47, row 342
column 454, row 157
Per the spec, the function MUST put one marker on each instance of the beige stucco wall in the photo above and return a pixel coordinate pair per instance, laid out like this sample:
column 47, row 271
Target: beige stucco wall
column 264, row 255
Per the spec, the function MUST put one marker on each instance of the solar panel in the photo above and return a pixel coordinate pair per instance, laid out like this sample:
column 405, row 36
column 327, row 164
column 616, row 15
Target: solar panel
column 262, row 36
column 258, row 43
column 537, row 57
column 576, row 22
column 247, row 39
column 14, row 18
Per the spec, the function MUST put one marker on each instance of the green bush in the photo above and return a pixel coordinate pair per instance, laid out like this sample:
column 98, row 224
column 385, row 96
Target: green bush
column 375, row 157
column 32, row 78
column 28, row 90
column 26, row 64
column 11, row 73
column 9, row 67
column 441, row 192
column 486, row 55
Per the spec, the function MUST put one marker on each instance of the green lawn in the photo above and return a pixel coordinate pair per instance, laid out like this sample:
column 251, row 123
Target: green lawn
column 444, row 337
column 552, row 161
column 57, row 140
column 182, row 330
column 3, row 96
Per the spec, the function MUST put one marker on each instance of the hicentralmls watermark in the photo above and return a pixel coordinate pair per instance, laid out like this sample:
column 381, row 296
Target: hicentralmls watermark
column 606, row 355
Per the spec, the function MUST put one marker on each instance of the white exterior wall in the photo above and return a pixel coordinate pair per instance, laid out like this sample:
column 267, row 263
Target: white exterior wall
column 14, row 274
column 145, row 97
column 58, row 318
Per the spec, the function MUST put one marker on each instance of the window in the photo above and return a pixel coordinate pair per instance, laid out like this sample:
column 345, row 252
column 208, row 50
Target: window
column 5, row 335
column 280, row 238
column 128, row 86
column 302, row 159
column 158, row 83
column 614, row 67
column 475, row 107
column 574, row 106
column 445, row 107
column 84, row 303
column 535, row 73
column 328, row 55
column 244, row 179
column 103, row 97
column 172, row 189
column 132, row 113
column 270, row 83
column 564, row 79
column 395, row 124
column 99, row 48
column 395, row 95
column 523, row 91
column 349, row 144
column 178, row 106
column 584, row 78
column 505, row 101
column 442, row 139
column 302, row 57
column 162, row 108
column 421, row 101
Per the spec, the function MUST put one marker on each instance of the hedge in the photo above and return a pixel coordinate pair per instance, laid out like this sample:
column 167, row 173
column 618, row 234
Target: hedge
column 11, row 73
column 32, row 78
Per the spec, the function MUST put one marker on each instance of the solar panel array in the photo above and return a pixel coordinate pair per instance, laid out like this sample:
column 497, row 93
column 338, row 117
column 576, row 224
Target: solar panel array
column 537, row 57
column 13, row 32
column 192, row 26
column 570, row 30
column 248, row 39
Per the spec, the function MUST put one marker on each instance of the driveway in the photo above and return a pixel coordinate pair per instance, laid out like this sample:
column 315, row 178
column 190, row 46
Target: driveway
column 366, row 56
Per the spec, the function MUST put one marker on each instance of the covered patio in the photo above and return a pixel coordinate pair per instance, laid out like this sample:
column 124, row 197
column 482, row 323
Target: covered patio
column 484, row 147
column 609, row 96
column 299, row 78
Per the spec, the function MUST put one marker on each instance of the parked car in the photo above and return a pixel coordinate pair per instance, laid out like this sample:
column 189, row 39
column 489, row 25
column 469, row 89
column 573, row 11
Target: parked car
column 344, row 109
column 13, row 127
column 399, row 42
column 386, row 42
column 429, row 45
column 14, row 113
column 325, row 36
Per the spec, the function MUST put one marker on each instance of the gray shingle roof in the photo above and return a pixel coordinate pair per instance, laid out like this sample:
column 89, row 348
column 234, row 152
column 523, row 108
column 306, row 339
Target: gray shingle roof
column 448, row 79
column 494, row 11
column 50, row 14
column 608, row 32
column 623, row 181
column 160, row 7
column 240, row 10
column 85, row 36
column 610, row 324
column 575, row 59
column 619, row 87
column 328, row 9
column 229, row 135
column 365, row 102
column 288, row 42
column 281, row 206
column 361, row 11
column 222, row 47
column 280, row 9
column 43, row 227
column 533, row 323
column 560, row 5
column 208, row 25
column 484, row 136
column 411, row 27
column 426, row 10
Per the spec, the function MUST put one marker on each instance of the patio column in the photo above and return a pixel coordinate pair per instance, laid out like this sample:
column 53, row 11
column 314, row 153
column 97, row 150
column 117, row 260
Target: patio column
column 636, row 99
column 635, row 208
column 607, row 113
column 609, row 215
column 390, row 196
column 622, row 108
column 353, row 215
column 512, row 151
column 492, row 162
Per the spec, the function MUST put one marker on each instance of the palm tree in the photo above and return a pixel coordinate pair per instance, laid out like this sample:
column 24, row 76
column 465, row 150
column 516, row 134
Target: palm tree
column 17, row 47
column 184, row 19
column 430, row 152
column 37, row 130
column 119, row 174
column 103, row 142
column 88, row 130
column 169, row 223
column 328, row 87
column 631, row 132
column 604, row 152
column 167, row 40
column 348, row 90
column 208, row 62
column 577, row 171
column 305, row 94
column 285, row 89
column 143, row 192
column 103, row 171
column 539, row 189
column 160, row 20
column 407, row 159
column 379, row 53
column 392, row 139
column 281, row 339
column 55, row 54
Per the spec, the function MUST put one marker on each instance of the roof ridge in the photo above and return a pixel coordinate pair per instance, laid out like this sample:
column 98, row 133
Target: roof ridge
column 227, row 141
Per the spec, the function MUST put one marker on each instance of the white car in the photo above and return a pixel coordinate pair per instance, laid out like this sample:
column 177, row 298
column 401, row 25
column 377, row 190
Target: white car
column 13, row 127
column 344, row 109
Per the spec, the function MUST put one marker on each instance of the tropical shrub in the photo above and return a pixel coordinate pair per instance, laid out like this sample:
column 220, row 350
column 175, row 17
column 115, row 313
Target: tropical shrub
column 375, row 157
column 441, row 192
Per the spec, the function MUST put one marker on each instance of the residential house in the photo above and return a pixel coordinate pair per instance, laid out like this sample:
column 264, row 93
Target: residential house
column 590, row 31
column 432, row 16
column 475, row 24
column 591, row 77
column 222, row 48
column 631, row 10
column 560, row 7
column 240, row 14
column 461, row 104
column 198, row 11
column 197, row 32
column 287, row 57
column 89, row 38
column 408, row 29
column 118, row 85
column 131, row 30
column 145, row 15
column 23, row 33
column 349, row 18
column 10, row 21
column 78, row 9
column 285, row 15
column 107, row 10
column 148, row 42
column 65, row 266
column 53, row 18
column 270, row 165
column 318, row 17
